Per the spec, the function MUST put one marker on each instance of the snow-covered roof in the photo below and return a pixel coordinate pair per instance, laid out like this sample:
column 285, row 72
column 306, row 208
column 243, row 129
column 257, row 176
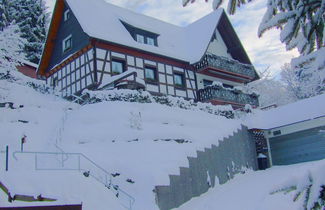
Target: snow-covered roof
column 30, row 63
column 299, row 111
column 102, row 20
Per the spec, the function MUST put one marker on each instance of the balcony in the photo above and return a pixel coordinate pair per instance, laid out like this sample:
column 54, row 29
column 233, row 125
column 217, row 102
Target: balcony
column 220, row 95
column 226, row 66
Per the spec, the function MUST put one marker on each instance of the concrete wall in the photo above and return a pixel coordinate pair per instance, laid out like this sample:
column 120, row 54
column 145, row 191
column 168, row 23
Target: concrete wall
column 230, row 157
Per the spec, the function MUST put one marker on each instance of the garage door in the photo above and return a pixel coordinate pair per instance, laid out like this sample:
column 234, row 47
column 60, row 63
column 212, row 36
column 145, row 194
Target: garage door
column 298, row 147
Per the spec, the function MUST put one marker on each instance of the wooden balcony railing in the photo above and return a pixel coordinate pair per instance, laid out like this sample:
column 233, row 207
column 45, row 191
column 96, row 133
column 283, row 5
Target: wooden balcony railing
column 227, row 95
column 226, row 64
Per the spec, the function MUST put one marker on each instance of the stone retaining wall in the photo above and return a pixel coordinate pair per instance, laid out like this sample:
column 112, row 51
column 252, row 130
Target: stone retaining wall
column 232, row 156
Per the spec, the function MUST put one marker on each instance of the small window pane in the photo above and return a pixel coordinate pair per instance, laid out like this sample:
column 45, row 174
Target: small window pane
column 140, row 38
column 66, row 15
column 67, row 43
column 179, row 81
column 207, row 83
column 117, row 67
column 150, row 41
column 150, row 73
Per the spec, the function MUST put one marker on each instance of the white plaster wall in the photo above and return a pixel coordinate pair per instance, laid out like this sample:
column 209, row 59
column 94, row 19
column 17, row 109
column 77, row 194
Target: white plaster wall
column 313, row 123
column 130, row 60
column 153, row 88
column 218, row 46
column 118, row 55
column 181, row 93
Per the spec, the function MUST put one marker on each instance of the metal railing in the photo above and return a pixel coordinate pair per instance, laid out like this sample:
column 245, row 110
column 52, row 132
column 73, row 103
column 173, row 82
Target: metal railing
column 226, row 64
column 227, row 95
column 81, row 163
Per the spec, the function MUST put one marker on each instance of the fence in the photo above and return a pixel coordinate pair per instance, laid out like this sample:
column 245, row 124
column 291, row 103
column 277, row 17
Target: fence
column 81, row 163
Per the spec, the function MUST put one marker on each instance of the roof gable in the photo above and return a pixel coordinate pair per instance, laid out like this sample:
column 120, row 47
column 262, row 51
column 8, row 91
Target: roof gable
column 102, row 20
column 173, row 41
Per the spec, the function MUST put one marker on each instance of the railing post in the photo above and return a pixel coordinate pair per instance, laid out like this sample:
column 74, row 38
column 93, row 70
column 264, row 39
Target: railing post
column 7, row 158
column 78, row 162
column 36, row 162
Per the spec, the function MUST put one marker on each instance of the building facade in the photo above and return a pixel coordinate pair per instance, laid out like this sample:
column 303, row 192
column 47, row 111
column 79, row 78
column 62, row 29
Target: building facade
column 91, row 42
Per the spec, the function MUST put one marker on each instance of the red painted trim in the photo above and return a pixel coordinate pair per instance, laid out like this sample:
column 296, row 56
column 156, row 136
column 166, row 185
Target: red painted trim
column 141, row 54
column 64, row 207
column 233, row 104
column 206, row 72
column 27, row 70
column 51, row 37
column 68, row 60
column 226, row 72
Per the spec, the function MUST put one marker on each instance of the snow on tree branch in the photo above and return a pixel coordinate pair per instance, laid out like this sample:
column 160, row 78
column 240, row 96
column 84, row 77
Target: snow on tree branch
column 11, row 47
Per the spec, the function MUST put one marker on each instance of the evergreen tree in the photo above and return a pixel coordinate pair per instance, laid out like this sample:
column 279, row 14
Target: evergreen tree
column 301, row 21
column 11, row 48
column 4, row 7
column 32, row 18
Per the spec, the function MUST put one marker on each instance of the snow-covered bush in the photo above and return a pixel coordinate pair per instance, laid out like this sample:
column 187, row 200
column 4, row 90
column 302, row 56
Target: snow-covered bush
column 135, row 120
column 309, row 186
column 145, row 97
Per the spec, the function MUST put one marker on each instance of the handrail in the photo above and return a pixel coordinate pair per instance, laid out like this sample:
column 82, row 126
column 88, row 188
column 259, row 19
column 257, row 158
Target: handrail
column 107, row 182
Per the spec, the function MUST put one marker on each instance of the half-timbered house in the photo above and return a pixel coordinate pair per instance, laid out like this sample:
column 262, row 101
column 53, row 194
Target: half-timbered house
column 90, row 42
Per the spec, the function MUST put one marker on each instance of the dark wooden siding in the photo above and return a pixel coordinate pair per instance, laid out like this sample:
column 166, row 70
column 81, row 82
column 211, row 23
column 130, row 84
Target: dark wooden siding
column 79, row 39
column 298, row 147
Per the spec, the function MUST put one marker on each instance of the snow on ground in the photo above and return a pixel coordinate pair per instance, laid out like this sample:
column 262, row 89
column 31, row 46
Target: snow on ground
column 256, row 190
column 142, row 142
column 105, row 132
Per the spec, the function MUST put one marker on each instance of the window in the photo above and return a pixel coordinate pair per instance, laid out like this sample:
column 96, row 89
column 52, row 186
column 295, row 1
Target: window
column 277, row 132
column 150, row 74
column 179, row 80
column 150, row 41
column 117, row 66
column 66, row 15
column 67, row 43
column 140, row 35
column 140, row 38
column 55, row 82
column 207, row 82
column 227, row 86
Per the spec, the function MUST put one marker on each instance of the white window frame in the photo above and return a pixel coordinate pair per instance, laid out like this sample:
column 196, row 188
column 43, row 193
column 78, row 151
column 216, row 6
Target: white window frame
column 64, row 47
column 66, row 15
column 138, row 36
column 151, row 43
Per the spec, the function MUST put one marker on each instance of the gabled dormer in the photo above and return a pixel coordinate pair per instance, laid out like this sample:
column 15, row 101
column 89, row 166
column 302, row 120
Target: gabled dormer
column 225, row 57
column 140, row 35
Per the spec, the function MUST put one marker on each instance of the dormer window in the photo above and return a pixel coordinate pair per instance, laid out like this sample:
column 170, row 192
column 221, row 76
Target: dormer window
column 66, row 15
column 140, row 38
column 67, row 44
column 150, row 41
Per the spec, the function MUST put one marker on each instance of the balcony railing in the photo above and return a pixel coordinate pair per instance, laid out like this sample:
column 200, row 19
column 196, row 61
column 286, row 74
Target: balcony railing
column 225, row 64
column 226, row 95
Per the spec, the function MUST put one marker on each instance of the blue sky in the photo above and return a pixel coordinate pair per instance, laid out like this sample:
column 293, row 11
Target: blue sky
column 264, row 52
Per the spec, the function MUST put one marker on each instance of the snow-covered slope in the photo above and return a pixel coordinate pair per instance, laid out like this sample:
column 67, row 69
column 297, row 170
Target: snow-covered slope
column 142, row 142
column 272, row 189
